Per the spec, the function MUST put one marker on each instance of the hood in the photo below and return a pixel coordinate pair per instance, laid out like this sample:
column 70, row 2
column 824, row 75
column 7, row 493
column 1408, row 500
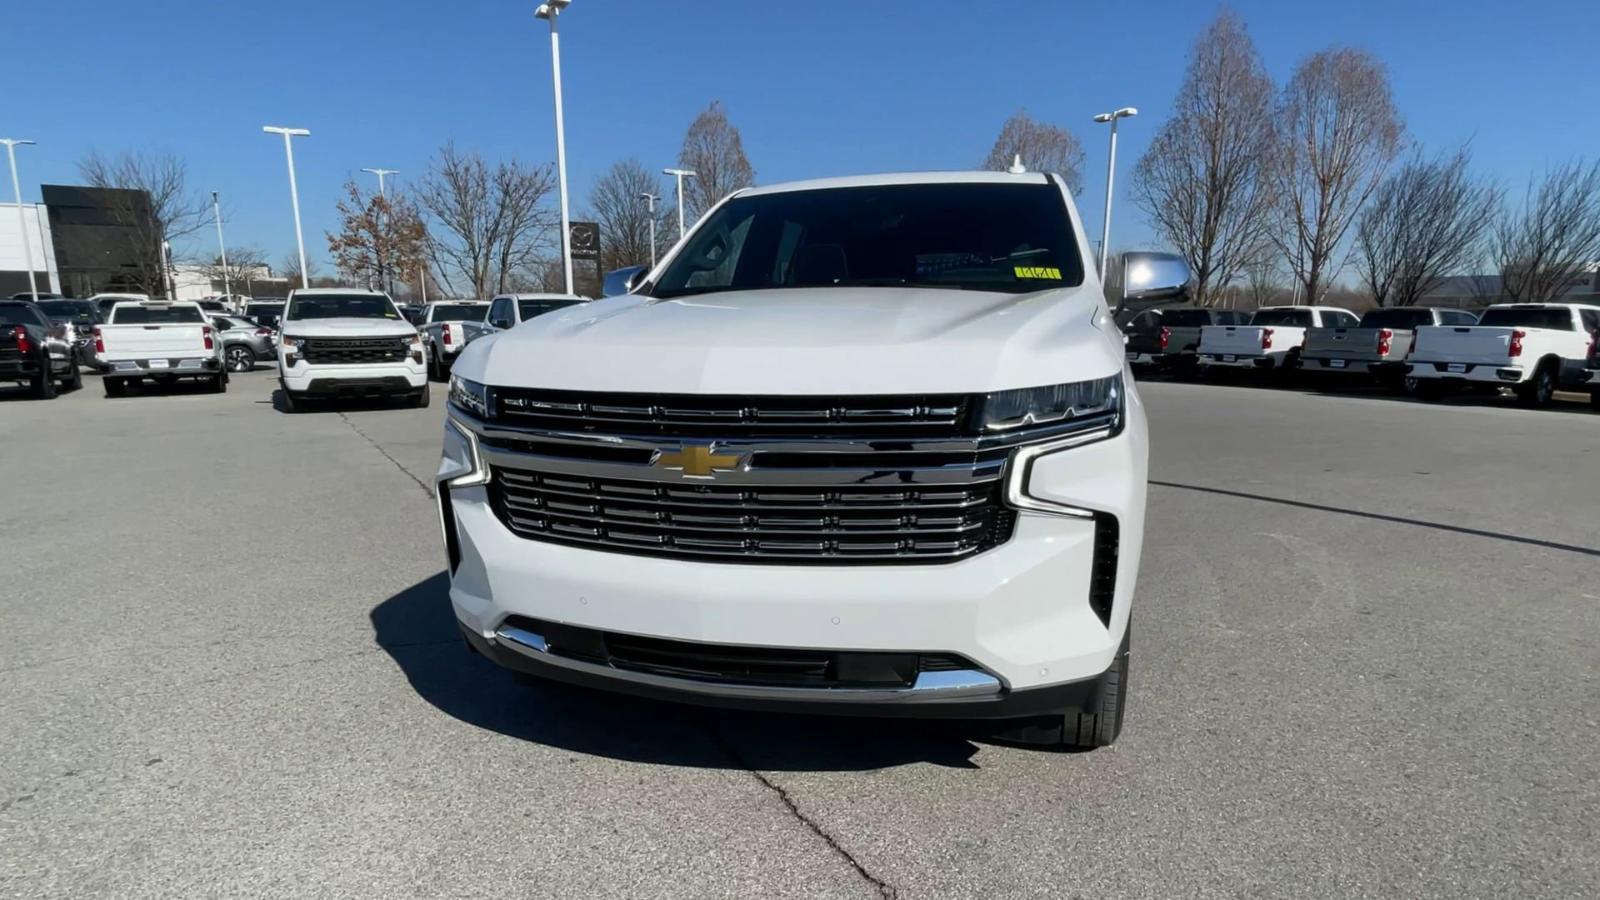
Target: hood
column 807, row 341
column 346, row 327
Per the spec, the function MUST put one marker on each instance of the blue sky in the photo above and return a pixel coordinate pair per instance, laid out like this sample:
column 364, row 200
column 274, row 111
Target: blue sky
column 816, row 88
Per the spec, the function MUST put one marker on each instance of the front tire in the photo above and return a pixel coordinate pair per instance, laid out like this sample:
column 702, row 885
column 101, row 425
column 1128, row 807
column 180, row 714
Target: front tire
column 1085, row 729
column 44, row 384
column 218, row 383
column 421, row 398
column 241, row 358
column 290, row 404
column 1594, row 400
column 74, row 379
column 1537, row 391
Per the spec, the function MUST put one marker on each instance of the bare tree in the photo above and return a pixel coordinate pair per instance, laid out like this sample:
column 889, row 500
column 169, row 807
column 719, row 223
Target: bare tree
column 1547, row 245
column 618, row 204
column 1203, row 181
column 168, row 210
column 490, row 222
column 1263, row 278
column 380, row 237
column 1338, row 132
column 1423, row 222
column 244, row 262
column 714, row 151
column 1042, row 147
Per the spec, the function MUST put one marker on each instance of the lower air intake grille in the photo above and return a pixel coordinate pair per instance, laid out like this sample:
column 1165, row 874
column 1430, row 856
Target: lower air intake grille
column 1103, row 576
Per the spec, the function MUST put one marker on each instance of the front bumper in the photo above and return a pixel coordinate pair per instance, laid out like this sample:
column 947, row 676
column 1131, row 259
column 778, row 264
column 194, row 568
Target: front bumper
column 1019, row 612
column 358, row 380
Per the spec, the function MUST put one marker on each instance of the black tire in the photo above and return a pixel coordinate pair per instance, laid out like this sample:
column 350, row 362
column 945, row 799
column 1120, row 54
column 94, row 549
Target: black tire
column 1594, row 400
column 1085, row 729
column 290, row 404
column 1537, row 391
column 435, row 370
column 115, row 387
column 74, row 379
column 44, row 384
column 218, row 383
column 421, row 398
column 1430, row 389
column 239, row 358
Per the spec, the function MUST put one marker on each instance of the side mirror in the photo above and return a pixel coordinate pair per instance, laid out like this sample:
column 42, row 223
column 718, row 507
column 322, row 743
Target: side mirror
column 622, row 281
column 1152, row 278
column 500, row 323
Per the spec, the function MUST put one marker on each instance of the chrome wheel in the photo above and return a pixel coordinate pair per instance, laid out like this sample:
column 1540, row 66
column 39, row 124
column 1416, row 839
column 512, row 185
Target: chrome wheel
column 241, row 359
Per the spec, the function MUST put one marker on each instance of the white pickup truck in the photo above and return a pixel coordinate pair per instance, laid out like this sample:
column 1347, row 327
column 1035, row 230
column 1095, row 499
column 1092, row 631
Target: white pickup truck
column 857, row 446
column 449, row 326
column 1273, row 339
column 1532, row 348
column 1378, row 348
column 342, row 342
column 161, row 340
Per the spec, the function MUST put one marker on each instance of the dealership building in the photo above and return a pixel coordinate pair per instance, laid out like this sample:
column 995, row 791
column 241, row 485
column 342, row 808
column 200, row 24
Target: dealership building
column 82, row 241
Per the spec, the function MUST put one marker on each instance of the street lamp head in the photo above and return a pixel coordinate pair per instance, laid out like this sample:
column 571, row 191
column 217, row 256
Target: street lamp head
column 1103, row 117
column 1127, row 112
column 16, row 142
column 278, row 129
column 553, row 7
column 681, row 173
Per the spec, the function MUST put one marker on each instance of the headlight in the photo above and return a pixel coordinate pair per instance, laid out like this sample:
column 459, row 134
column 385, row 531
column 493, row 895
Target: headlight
column 470, row 396
column 459, row 465
column 1056, row 403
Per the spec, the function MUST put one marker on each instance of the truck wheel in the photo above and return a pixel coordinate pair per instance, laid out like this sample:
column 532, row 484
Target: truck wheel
column 1537, row 391
column 420, row 399
column 218, row 383
column 241, row 358
column 435, row 371
column 74, row 379
column 1430, row 389
column 115, row 387
column 1085, row 729
column 1594, row 400
column 290, row 404
column 44, row 386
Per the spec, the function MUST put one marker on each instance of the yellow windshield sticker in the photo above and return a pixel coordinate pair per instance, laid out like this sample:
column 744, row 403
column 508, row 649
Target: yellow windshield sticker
column 1050, row 272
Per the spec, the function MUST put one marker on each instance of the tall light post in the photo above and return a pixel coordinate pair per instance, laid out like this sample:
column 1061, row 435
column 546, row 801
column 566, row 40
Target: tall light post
column 22, row 221
column 222, row 247
column 650, row 201
column 680, row 174
column 166, row 268
column 377, row 239
column 551, row 11
column 1126, row 112
column 294, row 193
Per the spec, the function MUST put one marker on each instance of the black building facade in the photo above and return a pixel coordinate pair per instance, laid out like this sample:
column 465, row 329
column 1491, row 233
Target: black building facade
column 105, row 239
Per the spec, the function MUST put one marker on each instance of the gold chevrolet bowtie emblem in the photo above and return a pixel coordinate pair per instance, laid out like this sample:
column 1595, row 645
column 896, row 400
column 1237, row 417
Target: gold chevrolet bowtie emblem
column 697, row 460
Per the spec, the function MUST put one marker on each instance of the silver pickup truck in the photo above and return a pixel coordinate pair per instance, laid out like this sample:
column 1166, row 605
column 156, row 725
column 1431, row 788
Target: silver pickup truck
column 1377, row 347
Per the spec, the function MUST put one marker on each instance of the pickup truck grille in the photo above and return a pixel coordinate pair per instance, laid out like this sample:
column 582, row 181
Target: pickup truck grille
column 353, row 351
column 887, row 523
column 734, row 416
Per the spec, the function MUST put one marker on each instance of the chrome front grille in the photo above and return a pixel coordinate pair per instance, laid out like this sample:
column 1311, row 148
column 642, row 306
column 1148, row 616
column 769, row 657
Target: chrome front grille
column 882, row 523
column 353, row 351
column 731, row 416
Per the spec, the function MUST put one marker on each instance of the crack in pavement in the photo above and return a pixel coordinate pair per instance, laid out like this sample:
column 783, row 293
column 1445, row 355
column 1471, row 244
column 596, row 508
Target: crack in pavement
column 426, row 488
column 883, row 888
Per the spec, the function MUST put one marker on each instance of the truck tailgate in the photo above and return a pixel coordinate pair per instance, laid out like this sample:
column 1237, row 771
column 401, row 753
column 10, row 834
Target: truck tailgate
column 1463, row 343
column 153, row 341
column 1244, row 340
column 1347, row 343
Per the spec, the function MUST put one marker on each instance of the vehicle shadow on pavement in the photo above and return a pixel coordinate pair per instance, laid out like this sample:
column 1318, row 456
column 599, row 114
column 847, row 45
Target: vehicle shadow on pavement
column 418, row 630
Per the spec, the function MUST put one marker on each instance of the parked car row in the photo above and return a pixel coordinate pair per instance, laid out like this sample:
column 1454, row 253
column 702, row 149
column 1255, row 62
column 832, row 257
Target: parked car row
column 1534, row 349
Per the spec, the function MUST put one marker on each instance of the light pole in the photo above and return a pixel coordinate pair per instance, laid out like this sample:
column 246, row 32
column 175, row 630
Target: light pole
column 1126, row 112
column 551, row 11
column 377, row 239
column 222, row 247
column 22, row 221
column 680, row 174
column 294, row 193
column 166, row 268
column 650, row 200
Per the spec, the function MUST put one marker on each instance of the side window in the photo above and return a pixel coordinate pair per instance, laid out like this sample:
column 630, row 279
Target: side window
column 1591, row 320
column 1145, row 321
column 1303, row 318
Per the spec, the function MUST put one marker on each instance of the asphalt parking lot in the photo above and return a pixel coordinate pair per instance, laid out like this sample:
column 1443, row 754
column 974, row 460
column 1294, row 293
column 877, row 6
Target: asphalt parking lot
column 1366, row 664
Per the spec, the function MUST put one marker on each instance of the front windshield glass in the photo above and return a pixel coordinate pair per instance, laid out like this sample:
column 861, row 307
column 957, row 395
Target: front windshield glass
column 460, row 312
column 341, row 306
column 1011, row 238
column 69, row 310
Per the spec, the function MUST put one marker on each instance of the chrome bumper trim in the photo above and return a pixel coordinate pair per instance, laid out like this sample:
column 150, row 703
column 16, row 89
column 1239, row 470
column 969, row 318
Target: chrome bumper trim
column 961, row 683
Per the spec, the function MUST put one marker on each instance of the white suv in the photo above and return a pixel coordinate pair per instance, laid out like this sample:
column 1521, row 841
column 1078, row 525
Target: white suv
column 860, row 446
column 339, row 342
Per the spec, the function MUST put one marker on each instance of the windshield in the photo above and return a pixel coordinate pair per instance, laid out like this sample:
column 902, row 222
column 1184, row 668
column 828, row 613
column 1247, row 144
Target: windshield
column 530, row 308
column 17, row 314
column 1555, row 318
column 1397, row 318
column 155, row 315
column 1012, row 238
column 460, row 312
column 69, row 310
column 341, row 306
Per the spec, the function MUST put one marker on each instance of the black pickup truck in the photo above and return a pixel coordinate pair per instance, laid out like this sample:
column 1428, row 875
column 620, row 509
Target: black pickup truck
column 35, row 352
column 1165, row 338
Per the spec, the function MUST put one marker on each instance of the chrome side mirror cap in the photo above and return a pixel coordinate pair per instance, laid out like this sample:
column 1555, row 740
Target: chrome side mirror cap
column 1149, row 278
